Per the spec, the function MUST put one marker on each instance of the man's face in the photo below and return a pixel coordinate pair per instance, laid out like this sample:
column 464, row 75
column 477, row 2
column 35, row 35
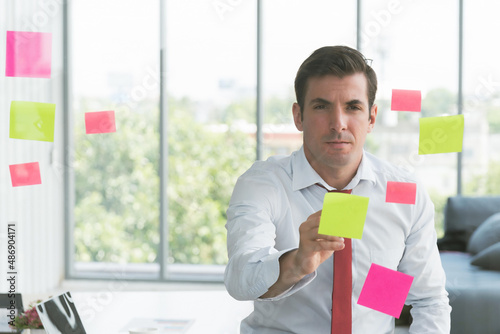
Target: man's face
column 335, row 121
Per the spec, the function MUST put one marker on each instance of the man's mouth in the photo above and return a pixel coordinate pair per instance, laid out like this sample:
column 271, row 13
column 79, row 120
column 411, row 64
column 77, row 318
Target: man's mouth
column 337, row 143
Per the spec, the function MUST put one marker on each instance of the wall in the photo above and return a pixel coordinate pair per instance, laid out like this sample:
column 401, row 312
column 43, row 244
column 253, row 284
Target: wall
column 37, row 210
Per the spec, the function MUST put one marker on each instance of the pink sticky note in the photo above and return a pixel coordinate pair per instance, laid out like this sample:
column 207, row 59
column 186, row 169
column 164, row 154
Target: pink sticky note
column 401, row 192
column 406, row 100
column 25, row 174
column 385, row 290
column 100, row 122
column 29, row 54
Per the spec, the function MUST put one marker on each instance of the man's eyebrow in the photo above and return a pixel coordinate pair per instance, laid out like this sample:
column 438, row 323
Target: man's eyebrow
column 323, row 101
column 354, row 102
column 319, row 100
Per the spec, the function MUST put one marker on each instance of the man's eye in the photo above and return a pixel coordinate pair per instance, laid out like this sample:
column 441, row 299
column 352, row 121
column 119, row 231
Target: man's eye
column 353, row 107
column 320, row 106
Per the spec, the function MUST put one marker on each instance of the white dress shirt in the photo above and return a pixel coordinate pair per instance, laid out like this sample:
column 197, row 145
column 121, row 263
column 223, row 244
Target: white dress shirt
column 274, row 197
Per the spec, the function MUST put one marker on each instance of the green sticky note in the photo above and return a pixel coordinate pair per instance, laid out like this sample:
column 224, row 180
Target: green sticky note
column 32, row 120
column 441, row 134
column 343, row 215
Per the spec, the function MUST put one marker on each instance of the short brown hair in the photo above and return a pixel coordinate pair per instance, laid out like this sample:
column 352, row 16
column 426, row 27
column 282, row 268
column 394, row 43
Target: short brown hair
column 339, row 61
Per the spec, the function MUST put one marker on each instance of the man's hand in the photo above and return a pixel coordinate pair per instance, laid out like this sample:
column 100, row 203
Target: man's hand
column 313, row 250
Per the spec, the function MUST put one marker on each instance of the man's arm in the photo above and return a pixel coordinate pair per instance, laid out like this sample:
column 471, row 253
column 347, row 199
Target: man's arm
column 256, row 269
column 428, row 297
column 313, row 250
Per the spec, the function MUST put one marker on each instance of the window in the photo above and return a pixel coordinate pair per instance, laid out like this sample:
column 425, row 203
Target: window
column 211, row 127
column 196, row 84
column 481, row 103
column 116, row 182
column 210, row 135
column 414, row 46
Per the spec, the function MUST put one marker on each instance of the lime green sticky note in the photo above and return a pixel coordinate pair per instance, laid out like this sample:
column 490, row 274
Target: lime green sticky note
column 32, row 120
column 443, row 134
column 343, row 215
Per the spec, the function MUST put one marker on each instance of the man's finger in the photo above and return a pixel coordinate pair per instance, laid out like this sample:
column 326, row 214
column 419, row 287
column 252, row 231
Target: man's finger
column 330, row 245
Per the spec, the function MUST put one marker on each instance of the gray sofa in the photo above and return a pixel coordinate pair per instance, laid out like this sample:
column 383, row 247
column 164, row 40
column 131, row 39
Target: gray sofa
column 471, row 225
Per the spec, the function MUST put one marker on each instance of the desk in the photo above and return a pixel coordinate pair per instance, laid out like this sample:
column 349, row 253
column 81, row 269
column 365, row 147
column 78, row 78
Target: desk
column 212, row 312
column 109, row 312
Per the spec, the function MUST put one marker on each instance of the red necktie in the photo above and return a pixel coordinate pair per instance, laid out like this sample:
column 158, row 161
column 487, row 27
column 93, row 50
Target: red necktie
column 342, row 287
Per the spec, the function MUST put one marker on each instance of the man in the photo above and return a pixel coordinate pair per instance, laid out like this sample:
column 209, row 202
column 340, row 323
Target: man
column 276, row 256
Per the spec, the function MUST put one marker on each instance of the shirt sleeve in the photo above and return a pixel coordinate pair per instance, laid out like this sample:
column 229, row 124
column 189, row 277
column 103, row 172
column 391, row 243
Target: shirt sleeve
column 254, row 211
column 428, row 297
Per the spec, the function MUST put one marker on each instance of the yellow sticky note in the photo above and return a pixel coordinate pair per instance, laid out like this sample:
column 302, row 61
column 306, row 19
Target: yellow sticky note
column 32, row 120
column 441, row 134
column 343, row 215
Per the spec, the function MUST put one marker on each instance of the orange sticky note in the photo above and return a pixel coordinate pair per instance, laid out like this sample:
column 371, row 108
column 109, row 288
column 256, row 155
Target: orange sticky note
column 401, row 192
column 26, row 174
column 385, row 290
column 100, row 122
column 406, row 100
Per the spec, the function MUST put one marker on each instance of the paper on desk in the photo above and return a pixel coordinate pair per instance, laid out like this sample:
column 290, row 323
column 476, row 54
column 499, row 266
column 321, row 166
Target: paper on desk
column 442, row 134
column 343, row 215
column 406, row 100
column 28, row 54
column 385, row 290
column 32, row 120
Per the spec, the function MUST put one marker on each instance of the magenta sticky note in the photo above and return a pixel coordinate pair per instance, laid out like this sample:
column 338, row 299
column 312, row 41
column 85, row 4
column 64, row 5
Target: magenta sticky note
column 406, row 100
column 100, row 122
column 26, row 174
column 385, row 290
column 401, row 192
column 29, row 54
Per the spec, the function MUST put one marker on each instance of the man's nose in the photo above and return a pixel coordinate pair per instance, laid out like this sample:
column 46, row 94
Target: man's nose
column 338, row 120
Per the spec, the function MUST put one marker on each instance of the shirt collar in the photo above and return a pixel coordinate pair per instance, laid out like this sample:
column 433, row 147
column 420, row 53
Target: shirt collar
column 305, row 176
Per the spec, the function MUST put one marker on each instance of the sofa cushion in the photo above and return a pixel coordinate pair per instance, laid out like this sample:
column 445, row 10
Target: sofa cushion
column 488, row 258
column 474, row 295
column 462, row 217
column 487, row 234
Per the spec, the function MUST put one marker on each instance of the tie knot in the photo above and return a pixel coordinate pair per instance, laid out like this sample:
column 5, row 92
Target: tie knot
column 345, row 191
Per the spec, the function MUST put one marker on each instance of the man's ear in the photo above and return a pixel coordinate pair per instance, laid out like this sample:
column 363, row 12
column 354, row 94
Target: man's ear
column 297, row 116
column 373, row 117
